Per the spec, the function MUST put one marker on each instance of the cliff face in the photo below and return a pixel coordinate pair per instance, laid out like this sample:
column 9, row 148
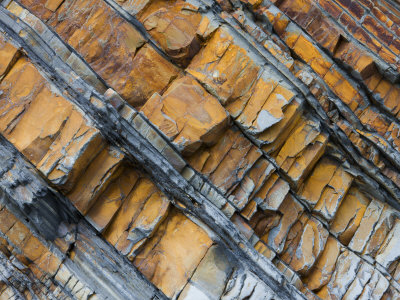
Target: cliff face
column 242, row 149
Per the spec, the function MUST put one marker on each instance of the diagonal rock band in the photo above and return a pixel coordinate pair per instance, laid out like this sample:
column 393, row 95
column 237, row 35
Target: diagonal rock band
column 199, row 149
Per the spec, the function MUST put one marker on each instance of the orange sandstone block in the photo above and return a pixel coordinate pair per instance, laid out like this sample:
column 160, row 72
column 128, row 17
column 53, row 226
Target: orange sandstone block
column 8, row 55
column 312, row 55
column 170, row 257
column 174, row 25
column 343, row 89
column 110, row 45
column 305, row 242
column 323, row 269
column 225, row 68
column 95, row 178
column 331, row 7
column 349, row 215
column 378, row 30
column 375, row 120
column 187, row 114
column 108, row 203
column 43, row 9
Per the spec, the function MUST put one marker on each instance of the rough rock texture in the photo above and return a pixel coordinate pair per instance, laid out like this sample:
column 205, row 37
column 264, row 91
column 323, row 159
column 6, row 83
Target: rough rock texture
column 199, row 149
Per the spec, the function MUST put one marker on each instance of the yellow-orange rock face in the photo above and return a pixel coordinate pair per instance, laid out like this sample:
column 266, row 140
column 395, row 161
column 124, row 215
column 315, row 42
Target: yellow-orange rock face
column 349, row 215
column 305, row 243
column 44, row 126
column 224, row 68
column 8, row 55
column 112, row 47
column 173, row 24
column 187, row 114
column 168, row 260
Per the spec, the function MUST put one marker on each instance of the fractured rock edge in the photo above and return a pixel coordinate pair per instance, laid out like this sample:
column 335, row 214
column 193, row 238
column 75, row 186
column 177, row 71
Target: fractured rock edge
column 120, row 132
column 111, row 275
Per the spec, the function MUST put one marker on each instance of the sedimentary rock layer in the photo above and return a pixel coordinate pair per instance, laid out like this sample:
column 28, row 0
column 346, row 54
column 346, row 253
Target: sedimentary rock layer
column 199, row 149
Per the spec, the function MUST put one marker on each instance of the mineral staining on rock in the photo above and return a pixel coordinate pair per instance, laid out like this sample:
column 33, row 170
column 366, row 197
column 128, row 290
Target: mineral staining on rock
column 272, row 129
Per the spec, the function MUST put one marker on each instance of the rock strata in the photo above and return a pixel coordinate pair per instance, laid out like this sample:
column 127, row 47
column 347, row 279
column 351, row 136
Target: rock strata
column 199, row 149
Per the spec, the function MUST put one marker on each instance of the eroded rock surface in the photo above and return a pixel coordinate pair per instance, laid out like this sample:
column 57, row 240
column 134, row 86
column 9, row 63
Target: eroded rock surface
column 178, row 149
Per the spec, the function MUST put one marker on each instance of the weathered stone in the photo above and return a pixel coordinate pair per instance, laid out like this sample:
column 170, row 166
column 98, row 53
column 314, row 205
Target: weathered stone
column 225, row 68
column 8, row 56
column 130, row 208
column 46, row 127
column 208, row 281
column 320, row 177
column 154, row 211
column 266, row 105
column 349, row 215
column 305, row 243
column 244, row 285
column 136, row 76
column 234, row 163
column 333, row 194
column 252, row 182
column 276, row 195
column 345, row 272
column 274, row 137
column 323, row 269
column 375, row 288
column 168, row 259
column 365, row 230
column 390, row 250
column 363, row 277
column 291, row 211
column 174, row 26
column 187, row 114
column 380, row 231
column 42, row 8
column 108, row 203
column 301, row 150
column 95, row 178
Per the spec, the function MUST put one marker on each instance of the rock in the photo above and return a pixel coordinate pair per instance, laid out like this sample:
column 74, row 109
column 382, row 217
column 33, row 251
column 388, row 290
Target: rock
column 291, row 211
column 274, row 137
column 305, row 242
column 320, row 177
column 376, row 286
column 390, row 251
column 8, row 55
column 120, row 58
column 42, row 8
column 174, row 26
column 349, row 215
column 252, row 182
column 333, row 194
column 154, row 211
column 266, row 104
column 45, row 127
column 225, row 68
column 365, row 230
column 345, row 272
column 363, row 277
column 209, row 279
column 301, row 150
column 244, row 285
column 234, row 164
column 199, row 119
column 323, row 269
column 130, row 208
column 95, row 179
column 108, row 203
column 167, row 259
column 380, row 231
column 276, row 195
column 71, row 152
